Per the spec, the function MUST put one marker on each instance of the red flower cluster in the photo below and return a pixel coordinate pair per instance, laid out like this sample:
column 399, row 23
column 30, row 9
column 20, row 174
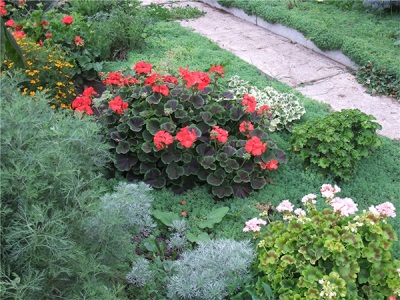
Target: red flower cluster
column 3, row 11
column 218, row 69
column 118, row 105
column 115, row 78
column 142, row 68
column 162, row 89
column 152, row 79
column 19, row 34
column 246, row 126
column 220, row 134
column 156, row 81
column 249, row 102
column 83, row 101
column 78, row 41
column 186, row 137
column 67, row 20
column 196, row 79
column 10, row 23
column 270, row 165
column 44, row 23
column 162, row 139
column 255, row 146
column 170, row 79
column 48, row 35
column 263, row 108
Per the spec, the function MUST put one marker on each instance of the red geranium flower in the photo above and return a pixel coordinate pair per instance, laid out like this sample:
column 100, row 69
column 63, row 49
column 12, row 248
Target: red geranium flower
column 128, row 80
column 3, row 11
column 48, row 35
column 152, row 79
column 162, row 139
column 44, row 23
column 270, row 165
column 195, row 79
column 246, row 126
column 220, row 134
column 186, row 137
column 67, row 20
column 162, row 89
column 118, row 105
column 78, row 41
column 82, row 103
column 217, row 70
column 183, row 213
column 19, row 27
column 89, row 92
column 250, row 103
column 142, row 68
column 171, row 79
column 10, row 23
column 262, row 109
column 113, row 78
column 255, row 146
column 19, row 34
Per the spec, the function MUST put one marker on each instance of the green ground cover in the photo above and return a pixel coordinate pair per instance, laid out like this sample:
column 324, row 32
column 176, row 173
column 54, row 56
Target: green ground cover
column 364, row 36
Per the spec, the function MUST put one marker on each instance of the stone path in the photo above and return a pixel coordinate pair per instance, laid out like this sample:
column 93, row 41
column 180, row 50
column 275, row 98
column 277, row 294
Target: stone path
column 311, row 73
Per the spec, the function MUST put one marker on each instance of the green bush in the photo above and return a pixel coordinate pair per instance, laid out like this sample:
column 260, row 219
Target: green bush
column 335, row 143
column 216, row 141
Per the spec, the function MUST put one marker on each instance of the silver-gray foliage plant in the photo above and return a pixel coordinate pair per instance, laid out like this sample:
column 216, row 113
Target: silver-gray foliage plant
column 140, row 274
column 211, row 270
column 284, row 108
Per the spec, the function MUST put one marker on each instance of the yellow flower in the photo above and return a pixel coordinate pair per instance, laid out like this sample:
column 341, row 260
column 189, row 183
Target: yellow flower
column 33, row 81
column 25, row 91
column 32, row 93
column 40, row 88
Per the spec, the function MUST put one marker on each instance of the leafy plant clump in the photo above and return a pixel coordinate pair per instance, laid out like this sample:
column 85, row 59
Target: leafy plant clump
column 328, row 253
column 335, row 143
column 211, row 271
column 379, row 80
column 177, row 132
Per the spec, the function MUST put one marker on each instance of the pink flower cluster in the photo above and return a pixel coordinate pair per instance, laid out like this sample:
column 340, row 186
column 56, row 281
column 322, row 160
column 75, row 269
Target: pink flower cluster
column 309, row 197
column 328, row 191
column 385, row 209
column 285, row 205
column 299, row 212
column 254, row 225
column 345, row 206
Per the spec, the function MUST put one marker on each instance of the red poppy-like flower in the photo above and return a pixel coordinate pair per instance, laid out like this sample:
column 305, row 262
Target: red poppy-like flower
column 195, row 79
column 67, row 20
column 220, row 134
column 246, row 126
column 255, row 146
column 128, row 80
column 170, row 79
column 113, row 78
column 250, row 103
column 183, row 202
column 19, row 34
column 118, row 105
column 82, row 103
column 262, row 109
column 89, row 92
column 142, row 67
column 186, row 137
column 78, row 41
column 152, row 79
column 270, row 165
column 48, row 35
column 183, row 213
column 162, row 139
column 162, row 89
column 10, row 23
column 217, row 70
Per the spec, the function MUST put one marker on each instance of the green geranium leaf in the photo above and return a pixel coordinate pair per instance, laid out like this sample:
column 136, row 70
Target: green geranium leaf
column 136, row 124
column 154, row 99
column 125, row 162
column 241, row 176
column 154, row 178
column 205, row 150
column 197, row 101
column 171, row 105
column 165, row 217
column 214, row 217
column 171, row 155
column 174, row 171
column 168, row 126
column 147, row 147
column 222, row 191
column 241, row 190
column 123, row 147
column 236, row 113
column 216, row 178
column 257, row 183
column 153, row 126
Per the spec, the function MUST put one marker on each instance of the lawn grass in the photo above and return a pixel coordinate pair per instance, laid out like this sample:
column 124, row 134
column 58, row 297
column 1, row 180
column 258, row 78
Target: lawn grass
column 375, row 180
column 362, row 36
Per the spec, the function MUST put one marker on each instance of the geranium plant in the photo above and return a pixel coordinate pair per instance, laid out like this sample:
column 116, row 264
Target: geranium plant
column 172, row 131
column 330, row 253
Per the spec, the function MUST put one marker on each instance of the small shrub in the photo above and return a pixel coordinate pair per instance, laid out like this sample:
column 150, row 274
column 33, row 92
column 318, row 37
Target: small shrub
column 328, row 253
column 141, row 274
column 335, row 143
column 382, row 4
column 209, row 271
column 222, row 143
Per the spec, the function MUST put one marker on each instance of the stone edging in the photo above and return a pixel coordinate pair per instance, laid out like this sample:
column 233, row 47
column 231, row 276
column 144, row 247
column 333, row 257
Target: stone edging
column 287, row 32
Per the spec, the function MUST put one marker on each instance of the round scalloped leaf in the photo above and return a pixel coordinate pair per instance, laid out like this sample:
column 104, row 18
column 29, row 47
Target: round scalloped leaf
column 125, row 162
column 136, row 124
column 186, row 158
column 229, row 150
column 176, row 91
column 153, row 126
column 207, row 118
column 280, row 156
column 180, row 114
column 222, row 191
column 171, row 104
column 117, row 136
column 216, row 178
column 174, row 171
column 241, row 176
column 185, row 97
column 236, row 113
column 222, row 156
column 123, row 127
column 123, row 147
column 207, row 162
column 154, row 178
column 146, row 147
column 197, row 101
column 171, row 155
column 257, row 183
column 205, row 150
column 154, row 99
column 147, row 136
column 228, row 95
column 241, row 190
column 206, row 90
column 196, row 130
column 168, row 126
column 259, row 133
column 216, row 109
